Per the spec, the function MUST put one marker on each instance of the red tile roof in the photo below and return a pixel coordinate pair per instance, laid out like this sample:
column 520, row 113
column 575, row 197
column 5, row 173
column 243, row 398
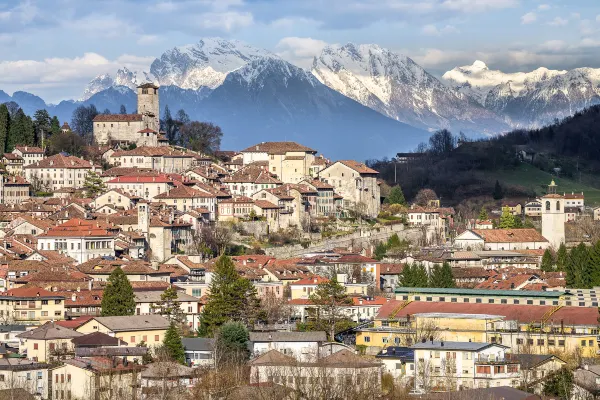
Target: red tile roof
column 278, row 148
column 510, row 235
column 60, row 161
column 313, row 280
column 359, row 167
column 28, row 292
column 74, row 323
column 183, row 192
column 141, row 179
column 77, row 227
column 117, row 117
column 30, row 149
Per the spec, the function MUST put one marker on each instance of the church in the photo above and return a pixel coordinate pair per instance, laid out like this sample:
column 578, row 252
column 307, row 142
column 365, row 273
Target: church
column 141, row 128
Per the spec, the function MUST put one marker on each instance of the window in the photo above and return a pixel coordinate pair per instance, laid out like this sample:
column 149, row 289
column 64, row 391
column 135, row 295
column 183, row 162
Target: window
column 491, row 301
column 477, row 300
column 561, row 343
column 466, row 300
column 519, row 341
column 551, row 342
column 367, row 339
column 503, row 301
column 429, row 299
column 453, row 300
column 132, row 339
column 540, row 342
column 590, row 343
column 35, row 346
column 530, row 341
column 516, row 301
column 442, row 299
column 583, row 343
column 529, row 301
column 156, row 338
column 547, row 206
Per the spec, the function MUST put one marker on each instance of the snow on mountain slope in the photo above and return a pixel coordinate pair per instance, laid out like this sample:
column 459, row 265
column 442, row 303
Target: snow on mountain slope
column 205, row 63
column 528, row 99
column 397, row 87
column 123, row 77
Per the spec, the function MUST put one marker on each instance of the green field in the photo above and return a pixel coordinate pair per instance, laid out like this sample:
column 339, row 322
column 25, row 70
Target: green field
column 530, row 177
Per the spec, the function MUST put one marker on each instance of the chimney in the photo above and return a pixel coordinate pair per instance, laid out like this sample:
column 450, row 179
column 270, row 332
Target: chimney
column 586, row 367
column 73, row 297
column 360, row 301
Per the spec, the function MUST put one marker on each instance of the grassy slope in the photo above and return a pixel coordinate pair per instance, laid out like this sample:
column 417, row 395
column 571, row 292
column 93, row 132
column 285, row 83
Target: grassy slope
column 528, row 176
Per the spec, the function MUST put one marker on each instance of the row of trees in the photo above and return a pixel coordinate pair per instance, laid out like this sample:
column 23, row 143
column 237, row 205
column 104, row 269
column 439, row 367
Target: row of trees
column 16, row 128
column 415, row 275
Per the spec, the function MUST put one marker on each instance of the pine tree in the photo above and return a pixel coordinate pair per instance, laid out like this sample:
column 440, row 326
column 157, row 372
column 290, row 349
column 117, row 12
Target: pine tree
column 518, row 222
column 233, row 339
column 435, row 277
column 393, row 241
column 594, row 256
column 441, row 276
column 380, row 251
column 4, row 126
column 28, row 132
column 16, row 130
column 561, row 257
column 42, row 124
column 420, row 277
column 396, row 196
column 547, row 261
column 498, row 192
column 231, row 298
column 483, row 214
column 586, row 265
column 507, row 220
column 173, row 345
column 170, row 308
column 123, row 110
column 447, row 276
column 406, row 278
column 93, row 184
column 118, row 298
column 55, row 128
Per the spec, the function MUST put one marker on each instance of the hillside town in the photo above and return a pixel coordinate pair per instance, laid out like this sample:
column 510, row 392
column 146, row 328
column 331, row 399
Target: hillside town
column 157, row 272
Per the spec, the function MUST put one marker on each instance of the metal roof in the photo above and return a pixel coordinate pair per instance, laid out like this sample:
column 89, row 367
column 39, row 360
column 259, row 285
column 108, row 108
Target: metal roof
column 198, row 344
column 459, row 346
column 478, row 292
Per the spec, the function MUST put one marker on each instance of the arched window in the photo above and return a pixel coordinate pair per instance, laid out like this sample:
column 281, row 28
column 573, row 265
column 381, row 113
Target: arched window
column 547, row 206
column 557, row 205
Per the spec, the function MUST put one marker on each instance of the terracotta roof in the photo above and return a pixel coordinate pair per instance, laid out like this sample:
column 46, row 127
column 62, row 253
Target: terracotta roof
column 273, row 357
column 359, row 167
column 353, row 259
column 265, row 205
column 552, row 196
column 183, row 192
column 78, row 228
column 510, row 235
column 313, row 280
column 12, row 156
column 103, row 266
column 30, row 149
column 278, row 148
column 147, row 130
column 28, row 292
column 320, row 184
column 572, row 196
column 391, row 269
column 120, row 171
column 82, row 298
column 15, row 180
column 49, row 331
column 60, row 161
column 252, row 174
column 54, row 275
column 74, row 323
column 117, row 117
column 521, row 313
column 152, row 152
column 141, row 179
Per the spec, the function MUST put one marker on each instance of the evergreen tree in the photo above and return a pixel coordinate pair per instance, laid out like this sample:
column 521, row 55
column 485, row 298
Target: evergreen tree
column 170, row 308
column 507, row 220
column 55, row 126
column 560, row 384
column 561, row 257
column 231, row 298
column 394, row 241
column 42, row 124
column 4, row 126
column 380, row 251
column 406, row 278
column 483, row 214
column 420, row 277
column 528, row 223
column 29, row 132
column 330, row 298
column 498, row 192
column 16, row 130
column 173, row 345
column 106, row 111
column 118, row 298
column 594, row 262
column 93, row 184
column 123, row 110
column 518, row 222
column 441, row 276
column 396, row 196
column 232, row 340
column 547, row 261
column 168, row 125
column 447, row 276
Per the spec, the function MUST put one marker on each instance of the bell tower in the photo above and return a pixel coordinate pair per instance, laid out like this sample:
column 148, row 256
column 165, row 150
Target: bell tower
column 553, row 216
column 147, row 105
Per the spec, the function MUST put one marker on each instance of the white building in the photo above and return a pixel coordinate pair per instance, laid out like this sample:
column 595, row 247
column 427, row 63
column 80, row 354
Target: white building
column 60, row 171
column 303, row 346
column 145, row 187
column 553, row 216
column 146, row 303
column 501, row 239
column 29, row 154
column 79, row 239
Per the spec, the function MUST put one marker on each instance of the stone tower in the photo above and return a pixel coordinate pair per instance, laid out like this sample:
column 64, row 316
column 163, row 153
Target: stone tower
column 147, row 105
column 143, row 209
column 553, row 216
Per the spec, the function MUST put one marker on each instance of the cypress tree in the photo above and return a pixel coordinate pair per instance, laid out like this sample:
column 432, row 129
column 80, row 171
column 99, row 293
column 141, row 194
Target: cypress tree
column 231, row 298
column 28, row 132
column 483, row 214
column 173, row 345
column 118, row 298
column 547, row 261
column 594, row 263
column 4, row 126
column 396, row 196
column 569, row 268
column 498, row 192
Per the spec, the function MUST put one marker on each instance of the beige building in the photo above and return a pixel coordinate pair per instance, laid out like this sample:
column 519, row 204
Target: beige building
column 16, row 373
column 48, row 342
column 29, row 154
column 13, row 163
column 133, row 329
column 96, row 378
column 145, row 187
column 31, row 306
column 356, row 183
column 250, row 179
column 140, row 128
column 59, row 171
column 14, row 189
column 163, row 159
column 289, row 161
column 185, row 198
column 117, row 198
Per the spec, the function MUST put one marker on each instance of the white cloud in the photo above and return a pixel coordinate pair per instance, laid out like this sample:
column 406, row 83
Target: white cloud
column 528, row 18
column 144, row 40
column 587, row 27
column 558, row 21
column 432, row 30
column 99, row 25
column 293, row 22
column 554, row 45
column 543, row 7
column 598, row 18
column 224, row 21
column 470, row 6
column 299, row 51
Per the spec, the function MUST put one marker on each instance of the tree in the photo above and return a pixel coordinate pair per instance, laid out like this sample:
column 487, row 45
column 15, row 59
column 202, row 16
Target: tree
column 498, row 192
column 483, row 214
column 123, row 110
column 547, row 261
column 204, row 137
column 20, row 131
column 172, row 344
column 55, row 126
column 442, row 277
column 414, row 275
column 106, row 111
column 329, row 298
column 380, row 251
column 82, row 119
column 441, row 143
column 168, row 125
column 559, row 384
column 66, row 141
column 424, row 197
column 182, row 117
column 93, row 184
column 231, row 343
column 4, row 126
column 118, row 298
column 170, row 308
column 561, row 257
column 396, row 196
column 231, row 298
column 507, row 220
column 42, row 124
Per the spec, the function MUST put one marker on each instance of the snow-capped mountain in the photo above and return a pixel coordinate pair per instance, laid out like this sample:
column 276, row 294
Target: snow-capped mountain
column 205, row 63
column 123, row 77
column 528, row 99
column 398, row 87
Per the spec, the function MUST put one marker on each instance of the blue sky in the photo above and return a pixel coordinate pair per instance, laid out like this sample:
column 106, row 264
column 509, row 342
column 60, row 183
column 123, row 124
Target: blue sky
column 54, row 47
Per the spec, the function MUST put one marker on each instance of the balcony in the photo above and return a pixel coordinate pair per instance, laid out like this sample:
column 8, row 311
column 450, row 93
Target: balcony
column 27, row 307
column 494, row 361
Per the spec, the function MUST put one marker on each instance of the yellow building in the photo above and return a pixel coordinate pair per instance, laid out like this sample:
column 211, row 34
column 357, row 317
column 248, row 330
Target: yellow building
column 47, row 343
column 523, row 328
column 133, row 329
column 31, row 306
column 96, row 378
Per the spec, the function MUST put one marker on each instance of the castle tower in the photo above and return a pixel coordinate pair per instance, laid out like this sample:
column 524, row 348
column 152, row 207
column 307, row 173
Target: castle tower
column 143, row 209
column 147, row 105
column 553, row 216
